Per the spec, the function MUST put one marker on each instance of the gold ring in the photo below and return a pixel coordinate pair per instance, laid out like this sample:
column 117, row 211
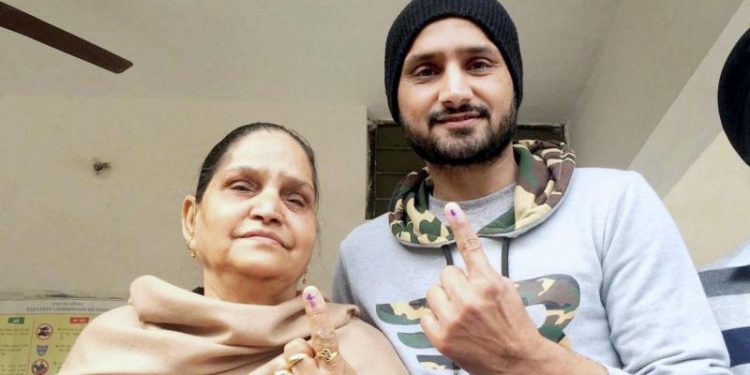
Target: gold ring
column 326, row 355
column 295, row 359
column 282, row 372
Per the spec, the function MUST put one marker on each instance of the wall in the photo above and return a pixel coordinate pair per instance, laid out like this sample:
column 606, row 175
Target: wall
column 64, row 228
column 652, row 49
column 689, row 162
column 692, row 121
column 711, row 202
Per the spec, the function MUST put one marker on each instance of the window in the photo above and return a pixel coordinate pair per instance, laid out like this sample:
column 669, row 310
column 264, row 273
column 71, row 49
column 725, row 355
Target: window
column 391, row 158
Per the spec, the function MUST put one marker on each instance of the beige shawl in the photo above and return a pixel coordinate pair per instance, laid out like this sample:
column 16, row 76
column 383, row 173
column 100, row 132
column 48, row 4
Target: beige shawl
column 168, row 330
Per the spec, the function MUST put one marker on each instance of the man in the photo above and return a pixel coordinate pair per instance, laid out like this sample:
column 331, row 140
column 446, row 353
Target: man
column 727, row 281
column 601, row 279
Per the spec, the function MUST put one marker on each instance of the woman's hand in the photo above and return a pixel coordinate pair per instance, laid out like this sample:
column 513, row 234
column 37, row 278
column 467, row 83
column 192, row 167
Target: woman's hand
column 321, row 355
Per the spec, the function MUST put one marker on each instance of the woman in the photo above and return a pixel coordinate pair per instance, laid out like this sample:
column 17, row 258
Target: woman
column 252, row 225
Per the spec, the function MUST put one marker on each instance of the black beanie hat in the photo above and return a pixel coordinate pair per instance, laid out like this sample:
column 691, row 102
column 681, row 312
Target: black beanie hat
column 489, row 15
column 734, row 97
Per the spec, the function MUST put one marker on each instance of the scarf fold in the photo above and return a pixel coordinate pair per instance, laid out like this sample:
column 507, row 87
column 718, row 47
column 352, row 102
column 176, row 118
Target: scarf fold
column 165, row 329
column 544, row 172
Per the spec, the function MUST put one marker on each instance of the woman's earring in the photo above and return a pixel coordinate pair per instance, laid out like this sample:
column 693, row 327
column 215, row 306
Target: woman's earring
column 304, row 276
column 190, row 251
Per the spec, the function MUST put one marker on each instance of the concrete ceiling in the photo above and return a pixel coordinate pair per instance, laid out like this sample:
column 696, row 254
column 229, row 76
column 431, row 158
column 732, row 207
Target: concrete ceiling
column 312, row 51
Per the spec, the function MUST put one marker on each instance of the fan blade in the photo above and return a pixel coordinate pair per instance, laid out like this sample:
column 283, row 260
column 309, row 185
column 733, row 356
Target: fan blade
column 34, row 28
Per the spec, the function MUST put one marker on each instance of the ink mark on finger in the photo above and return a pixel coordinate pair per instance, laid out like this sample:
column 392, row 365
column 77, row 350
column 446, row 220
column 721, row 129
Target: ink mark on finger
column 310, row 298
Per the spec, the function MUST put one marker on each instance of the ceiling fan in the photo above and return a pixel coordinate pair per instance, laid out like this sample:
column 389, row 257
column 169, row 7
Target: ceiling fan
column 34, row 28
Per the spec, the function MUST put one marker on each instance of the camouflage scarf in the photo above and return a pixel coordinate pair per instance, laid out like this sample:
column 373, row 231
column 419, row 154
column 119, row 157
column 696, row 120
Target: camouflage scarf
column 544, row 171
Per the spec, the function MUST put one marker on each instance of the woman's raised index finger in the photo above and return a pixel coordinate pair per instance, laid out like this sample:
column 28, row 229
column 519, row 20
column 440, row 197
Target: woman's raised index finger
column 323, row 333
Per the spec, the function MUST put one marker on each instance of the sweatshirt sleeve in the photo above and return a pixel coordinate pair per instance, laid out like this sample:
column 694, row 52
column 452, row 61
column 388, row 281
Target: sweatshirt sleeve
column 660, row 319
column 341, row 292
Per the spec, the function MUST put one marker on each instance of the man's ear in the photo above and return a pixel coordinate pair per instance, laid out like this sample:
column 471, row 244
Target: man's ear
column 189, row 210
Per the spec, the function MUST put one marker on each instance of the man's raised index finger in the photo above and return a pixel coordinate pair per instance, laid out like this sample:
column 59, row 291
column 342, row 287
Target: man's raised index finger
column 467, row 241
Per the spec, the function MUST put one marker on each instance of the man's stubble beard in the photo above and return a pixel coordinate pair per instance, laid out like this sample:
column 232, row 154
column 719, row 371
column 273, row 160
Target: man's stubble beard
column 464, row 148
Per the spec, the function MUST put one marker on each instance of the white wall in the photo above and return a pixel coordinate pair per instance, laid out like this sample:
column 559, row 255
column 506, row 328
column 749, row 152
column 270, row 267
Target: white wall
column 711, row 202
column 63, row 228
column 652, row 49
column 689, row 162
column 692, row 121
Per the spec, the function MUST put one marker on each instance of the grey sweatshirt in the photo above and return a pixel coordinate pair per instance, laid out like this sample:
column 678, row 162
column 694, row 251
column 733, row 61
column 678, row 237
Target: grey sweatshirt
column 641, row 309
